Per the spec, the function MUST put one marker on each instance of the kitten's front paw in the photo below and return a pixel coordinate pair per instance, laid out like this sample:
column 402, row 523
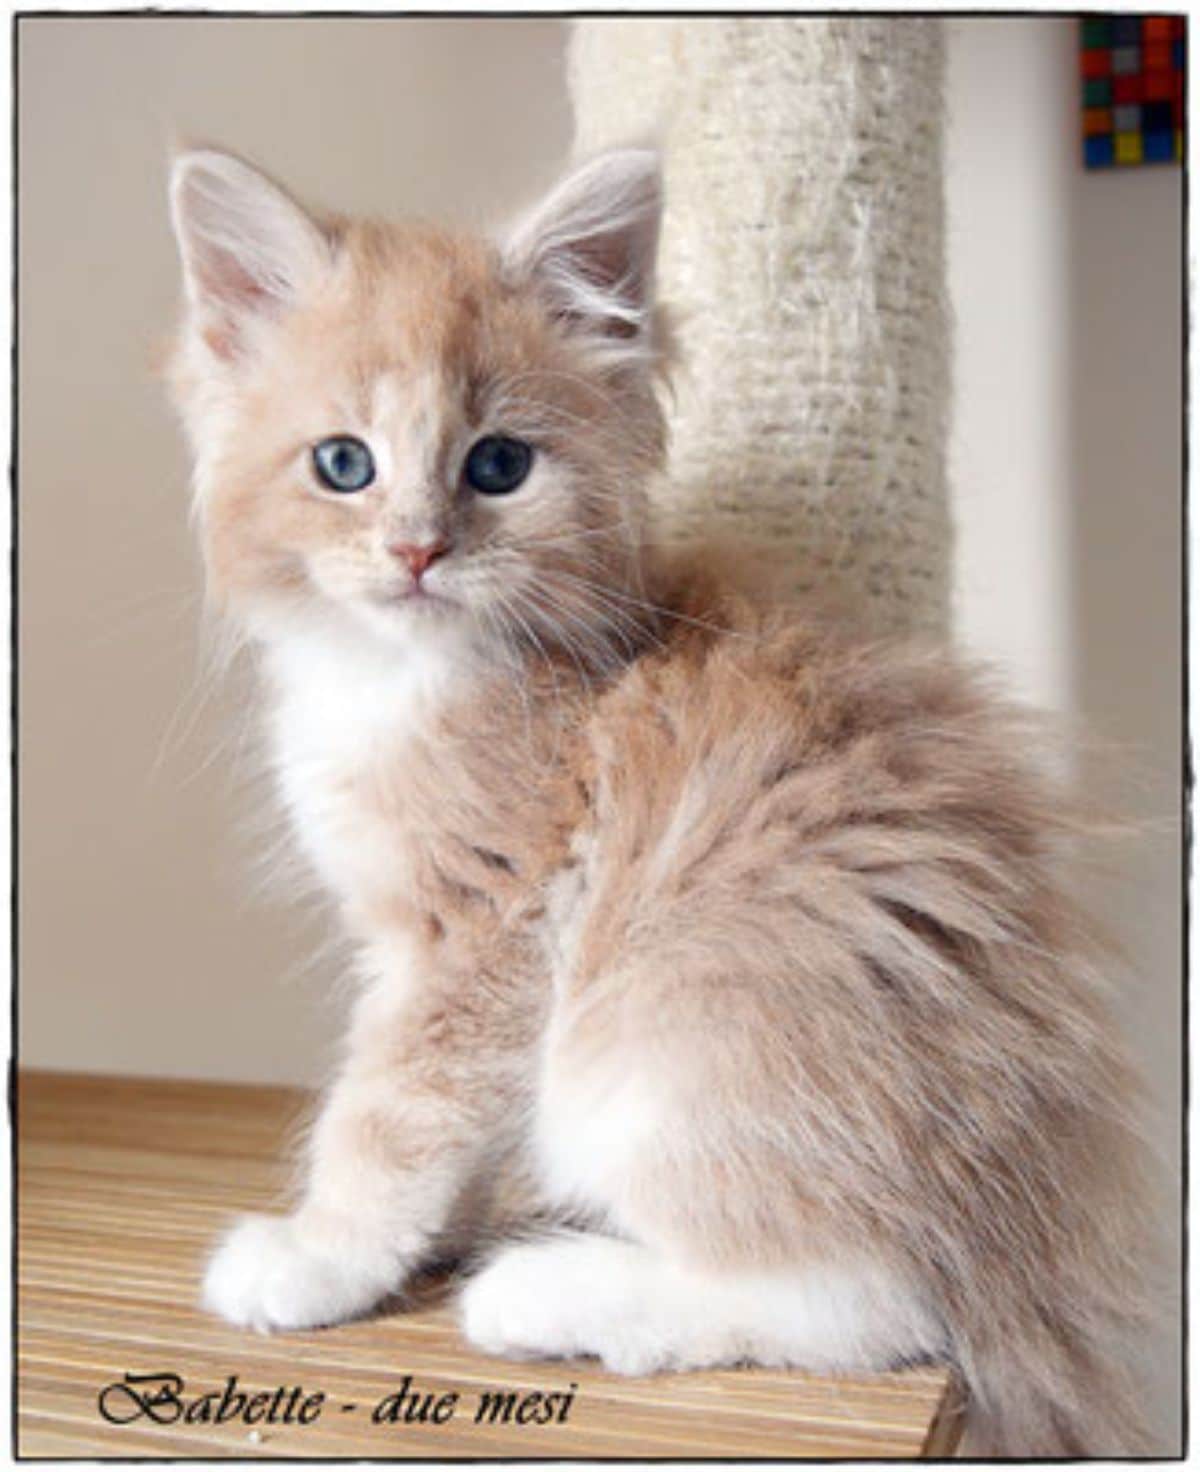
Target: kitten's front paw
column 545, row 1302
column 264, row 1276
column 505, row 1310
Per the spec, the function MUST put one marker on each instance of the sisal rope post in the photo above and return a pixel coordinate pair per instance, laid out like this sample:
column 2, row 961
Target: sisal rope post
column 802, row 252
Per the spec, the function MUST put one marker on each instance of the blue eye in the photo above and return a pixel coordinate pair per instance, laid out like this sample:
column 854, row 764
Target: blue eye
column 343, row 463
column 497, row 464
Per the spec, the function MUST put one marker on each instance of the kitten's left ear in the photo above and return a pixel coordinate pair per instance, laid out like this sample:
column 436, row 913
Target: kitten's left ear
column 590, row 246
column 248, row 249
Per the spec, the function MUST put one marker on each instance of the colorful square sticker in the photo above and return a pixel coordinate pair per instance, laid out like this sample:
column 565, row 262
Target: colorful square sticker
column 1132, row 71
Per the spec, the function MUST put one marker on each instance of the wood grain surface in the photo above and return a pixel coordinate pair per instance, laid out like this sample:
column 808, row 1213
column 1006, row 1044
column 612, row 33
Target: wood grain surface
column 123, row 1185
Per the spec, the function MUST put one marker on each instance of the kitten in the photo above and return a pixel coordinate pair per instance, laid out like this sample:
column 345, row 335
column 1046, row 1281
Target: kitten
column 729, row 950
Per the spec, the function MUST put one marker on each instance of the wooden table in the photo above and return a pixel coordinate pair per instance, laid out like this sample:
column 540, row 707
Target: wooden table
column 122, row 1185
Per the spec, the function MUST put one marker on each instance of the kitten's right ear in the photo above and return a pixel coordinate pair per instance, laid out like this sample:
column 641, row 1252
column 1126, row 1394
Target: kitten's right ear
column 248, row 249
column 590, row 246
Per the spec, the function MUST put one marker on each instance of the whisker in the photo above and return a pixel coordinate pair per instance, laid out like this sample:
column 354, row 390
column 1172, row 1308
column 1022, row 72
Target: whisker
column 512, row 661
column 508, row 604
column 595, row 648
column 664, row 612
column 562, row 637
column 614, row 619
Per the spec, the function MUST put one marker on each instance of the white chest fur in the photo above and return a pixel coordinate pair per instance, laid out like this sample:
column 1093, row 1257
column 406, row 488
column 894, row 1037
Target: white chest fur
column 342, row 715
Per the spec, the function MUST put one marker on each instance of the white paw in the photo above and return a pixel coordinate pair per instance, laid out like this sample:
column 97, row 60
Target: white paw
column 505, row 1309
column 264, row 1276
column 539, row 1302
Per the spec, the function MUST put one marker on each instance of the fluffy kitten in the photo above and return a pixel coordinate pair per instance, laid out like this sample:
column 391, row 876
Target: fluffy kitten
column 735, row 947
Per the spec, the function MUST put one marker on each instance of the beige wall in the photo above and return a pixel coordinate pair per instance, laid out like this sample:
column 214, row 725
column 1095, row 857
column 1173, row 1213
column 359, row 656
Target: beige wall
column 1067, row 455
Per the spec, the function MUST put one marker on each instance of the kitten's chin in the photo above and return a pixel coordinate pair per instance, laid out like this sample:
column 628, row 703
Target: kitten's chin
column 401, row 620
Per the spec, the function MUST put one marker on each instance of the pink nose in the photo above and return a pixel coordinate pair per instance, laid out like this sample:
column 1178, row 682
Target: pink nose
column 418, row 557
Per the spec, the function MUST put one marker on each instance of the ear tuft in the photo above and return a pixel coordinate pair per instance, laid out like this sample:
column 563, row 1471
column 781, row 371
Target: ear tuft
column 248, row 250
column 590, row 245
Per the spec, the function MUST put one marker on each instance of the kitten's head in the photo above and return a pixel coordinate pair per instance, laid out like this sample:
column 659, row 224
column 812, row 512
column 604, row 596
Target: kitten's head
column 408, row 431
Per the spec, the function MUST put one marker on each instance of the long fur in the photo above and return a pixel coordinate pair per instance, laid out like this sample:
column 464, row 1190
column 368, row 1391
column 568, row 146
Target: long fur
column 732, row 943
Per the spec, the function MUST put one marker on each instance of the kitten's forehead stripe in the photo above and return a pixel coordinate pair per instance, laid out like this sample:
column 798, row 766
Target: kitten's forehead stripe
column 387, row 399
column 412, row 414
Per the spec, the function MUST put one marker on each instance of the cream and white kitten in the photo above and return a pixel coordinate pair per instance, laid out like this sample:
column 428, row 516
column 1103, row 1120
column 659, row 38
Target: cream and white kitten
column 729, row 951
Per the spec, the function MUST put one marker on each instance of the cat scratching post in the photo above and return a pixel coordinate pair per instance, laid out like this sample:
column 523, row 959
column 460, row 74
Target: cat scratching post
column 803, row 249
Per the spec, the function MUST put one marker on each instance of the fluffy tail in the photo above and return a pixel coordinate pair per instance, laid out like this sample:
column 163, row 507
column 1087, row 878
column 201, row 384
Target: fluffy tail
column 1048, row 1397
column 1045, row 1340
